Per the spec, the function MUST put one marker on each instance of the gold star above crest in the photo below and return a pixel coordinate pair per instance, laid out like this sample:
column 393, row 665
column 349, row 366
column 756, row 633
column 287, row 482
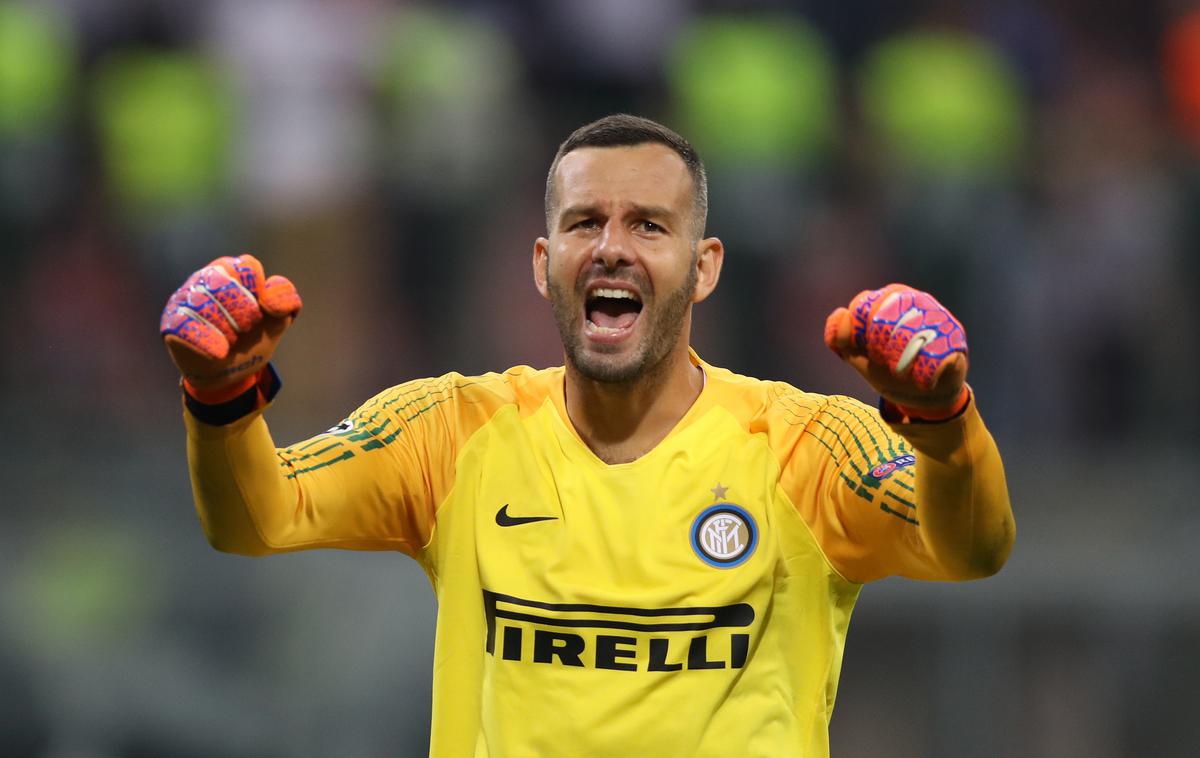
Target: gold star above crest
column 719, row 492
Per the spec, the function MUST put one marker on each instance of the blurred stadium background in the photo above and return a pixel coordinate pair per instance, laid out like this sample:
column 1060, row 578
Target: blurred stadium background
column 1033, row 163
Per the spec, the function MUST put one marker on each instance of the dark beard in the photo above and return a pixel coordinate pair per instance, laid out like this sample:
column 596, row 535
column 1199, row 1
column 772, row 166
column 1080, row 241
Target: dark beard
column 666, row 322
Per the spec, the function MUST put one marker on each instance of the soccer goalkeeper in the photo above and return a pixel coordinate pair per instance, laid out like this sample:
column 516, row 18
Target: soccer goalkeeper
column 636, row 553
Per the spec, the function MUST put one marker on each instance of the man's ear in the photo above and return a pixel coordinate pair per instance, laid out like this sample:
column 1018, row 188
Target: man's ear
column 710, row 254
column 541, row 263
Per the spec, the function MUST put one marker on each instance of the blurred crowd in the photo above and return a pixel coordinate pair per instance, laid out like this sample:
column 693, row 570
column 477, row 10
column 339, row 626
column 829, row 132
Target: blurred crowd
column 1034, row 164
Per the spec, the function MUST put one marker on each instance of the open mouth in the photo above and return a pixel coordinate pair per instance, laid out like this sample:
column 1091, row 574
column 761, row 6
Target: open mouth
column 611, row 311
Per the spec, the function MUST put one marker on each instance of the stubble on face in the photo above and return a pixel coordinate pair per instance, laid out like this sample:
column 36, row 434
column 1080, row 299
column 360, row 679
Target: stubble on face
column 664, row 318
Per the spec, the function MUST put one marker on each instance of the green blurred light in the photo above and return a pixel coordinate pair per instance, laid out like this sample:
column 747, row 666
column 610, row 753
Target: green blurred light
column 442, row 56
column 758, row 90
column 36, row 61
column 82, row 589
column 944, row 102
column 164, row 121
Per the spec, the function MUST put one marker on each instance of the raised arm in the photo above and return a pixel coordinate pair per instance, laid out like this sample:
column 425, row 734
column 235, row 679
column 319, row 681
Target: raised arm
column 913, row 352
column 369, row 483
column 361, row 485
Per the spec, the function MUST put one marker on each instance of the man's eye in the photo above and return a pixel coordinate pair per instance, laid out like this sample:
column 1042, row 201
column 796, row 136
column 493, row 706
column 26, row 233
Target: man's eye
column 649, row 227
column 587, row 223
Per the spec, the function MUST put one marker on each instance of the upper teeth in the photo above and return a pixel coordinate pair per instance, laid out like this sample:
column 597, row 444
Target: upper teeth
column 604, row 292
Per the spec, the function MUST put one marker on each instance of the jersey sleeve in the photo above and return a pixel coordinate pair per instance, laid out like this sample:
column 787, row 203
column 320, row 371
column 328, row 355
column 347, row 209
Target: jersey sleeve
column 863, row 485
column 372, row 482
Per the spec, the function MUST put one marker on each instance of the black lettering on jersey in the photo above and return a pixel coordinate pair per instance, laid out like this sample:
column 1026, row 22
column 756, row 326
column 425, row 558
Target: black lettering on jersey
column 563, row 645
column 610, row 648
column 698, row 655
column 739, row 649
column 658, row 657
column 663, row 639
column 512, row 643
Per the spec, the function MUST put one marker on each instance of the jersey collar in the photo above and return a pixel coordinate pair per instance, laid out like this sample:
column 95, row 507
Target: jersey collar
column 573, row 443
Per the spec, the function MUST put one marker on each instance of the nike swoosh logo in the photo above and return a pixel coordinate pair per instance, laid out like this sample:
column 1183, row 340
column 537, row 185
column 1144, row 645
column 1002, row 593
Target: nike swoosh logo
column 503, row 519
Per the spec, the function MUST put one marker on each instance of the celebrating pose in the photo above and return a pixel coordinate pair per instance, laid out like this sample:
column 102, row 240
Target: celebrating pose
column 636, row 553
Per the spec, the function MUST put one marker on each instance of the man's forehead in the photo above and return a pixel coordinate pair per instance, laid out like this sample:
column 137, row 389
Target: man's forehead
column 649, row 174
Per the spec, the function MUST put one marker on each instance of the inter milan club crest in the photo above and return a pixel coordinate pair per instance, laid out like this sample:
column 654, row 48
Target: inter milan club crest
column 724, row 535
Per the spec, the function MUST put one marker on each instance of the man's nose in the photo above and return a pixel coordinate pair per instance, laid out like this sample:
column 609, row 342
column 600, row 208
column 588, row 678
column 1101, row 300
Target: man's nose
column 613, row 248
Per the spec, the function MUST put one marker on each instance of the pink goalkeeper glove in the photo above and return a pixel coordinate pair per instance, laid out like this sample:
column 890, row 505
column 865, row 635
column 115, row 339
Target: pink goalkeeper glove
column 907, row 346
column 224, row 323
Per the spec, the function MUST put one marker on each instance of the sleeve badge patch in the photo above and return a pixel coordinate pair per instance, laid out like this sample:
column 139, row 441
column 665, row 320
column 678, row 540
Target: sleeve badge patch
column 341, row 428
column 884, row 470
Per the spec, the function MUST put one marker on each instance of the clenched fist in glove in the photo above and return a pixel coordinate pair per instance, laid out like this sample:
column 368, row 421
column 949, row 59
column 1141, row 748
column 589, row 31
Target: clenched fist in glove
column 222, row 326
column 907, row 346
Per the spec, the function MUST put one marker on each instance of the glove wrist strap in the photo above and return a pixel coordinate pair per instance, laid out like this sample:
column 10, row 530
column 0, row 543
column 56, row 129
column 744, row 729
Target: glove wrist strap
column 259, row 390
column 223, row 394
column 907, row 413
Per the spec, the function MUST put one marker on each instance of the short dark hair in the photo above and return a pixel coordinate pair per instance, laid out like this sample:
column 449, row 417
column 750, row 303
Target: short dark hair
column 624, row 130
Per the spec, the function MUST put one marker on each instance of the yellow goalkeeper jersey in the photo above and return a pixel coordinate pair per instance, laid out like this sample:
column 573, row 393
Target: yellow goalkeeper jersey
column 693, row 602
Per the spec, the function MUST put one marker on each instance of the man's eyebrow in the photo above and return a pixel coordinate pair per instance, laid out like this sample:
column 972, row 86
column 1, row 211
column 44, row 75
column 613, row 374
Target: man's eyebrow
column 579, row 210
column 653, row 211
column 660, row 212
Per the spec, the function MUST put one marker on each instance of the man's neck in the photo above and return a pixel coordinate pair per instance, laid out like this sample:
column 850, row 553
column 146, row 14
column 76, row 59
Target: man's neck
column 623, row 422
